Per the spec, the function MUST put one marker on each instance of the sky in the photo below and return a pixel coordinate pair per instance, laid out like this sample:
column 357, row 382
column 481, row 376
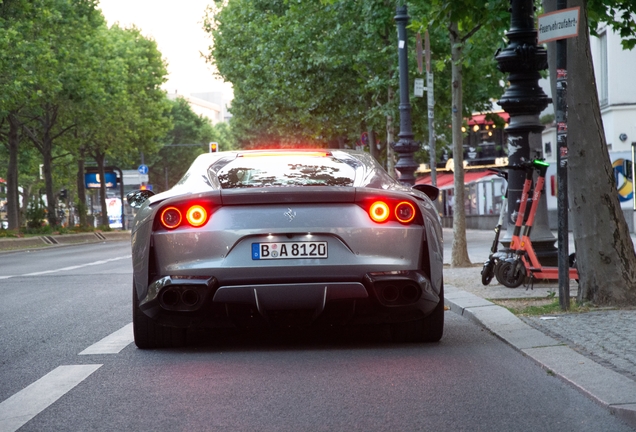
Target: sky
column 177, row 27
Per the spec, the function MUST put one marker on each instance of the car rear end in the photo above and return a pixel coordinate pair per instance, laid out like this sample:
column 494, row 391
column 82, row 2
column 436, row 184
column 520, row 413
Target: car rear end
column 289, row 255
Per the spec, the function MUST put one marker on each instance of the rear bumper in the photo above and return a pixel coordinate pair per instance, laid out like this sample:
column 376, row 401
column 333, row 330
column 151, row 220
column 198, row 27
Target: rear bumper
column 381, row 297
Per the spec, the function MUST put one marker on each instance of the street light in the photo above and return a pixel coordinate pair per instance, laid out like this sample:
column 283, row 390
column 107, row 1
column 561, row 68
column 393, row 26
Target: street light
column 524, row 100
column 406, row 146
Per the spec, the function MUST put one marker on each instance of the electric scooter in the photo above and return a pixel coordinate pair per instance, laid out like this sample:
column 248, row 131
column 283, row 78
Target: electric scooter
column 488, row 271
column 522, row 261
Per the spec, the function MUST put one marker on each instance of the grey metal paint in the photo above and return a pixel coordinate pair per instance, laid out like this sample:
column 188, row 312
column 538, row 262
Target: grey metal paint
column 222, row 247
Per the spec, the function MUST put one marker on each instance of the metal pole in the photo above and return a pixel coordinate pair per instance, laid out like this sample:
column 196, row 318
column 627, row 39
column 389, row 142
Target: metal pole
column 562, row 168
column 431, row 112
column 523, row 100
column 406, row 146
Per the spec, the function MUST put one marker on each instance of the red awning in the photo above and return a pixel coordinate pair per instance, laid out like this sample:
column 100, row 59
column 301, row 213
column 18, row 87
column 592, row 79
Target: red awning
column 446, row 180
column 480, row 119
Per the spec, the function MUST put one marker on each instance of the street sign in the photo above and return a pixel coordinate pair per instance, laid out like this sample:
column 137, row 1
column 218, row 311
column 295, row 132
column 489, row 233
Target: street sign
column 418, row 53
column 92, row 180
column 143, row 178
column 559, row 24
column 419, row 87
column 143, row 169
column 429, row 85
column 427, row 48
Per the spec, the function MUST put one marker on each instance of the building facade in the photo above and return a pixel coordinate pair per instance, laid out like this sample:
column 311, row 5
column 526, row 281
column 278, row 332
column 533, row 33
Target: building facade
column 613, row 69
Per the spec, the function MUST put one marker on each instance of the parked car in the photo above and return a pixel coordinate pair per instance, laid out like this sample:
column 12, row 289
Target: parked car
column 286, row 238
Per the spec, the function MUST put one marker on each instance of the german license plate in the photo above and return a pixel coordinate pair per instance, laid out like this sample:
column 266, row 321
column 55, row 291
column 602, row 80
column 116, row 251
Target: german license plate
column 289, row 250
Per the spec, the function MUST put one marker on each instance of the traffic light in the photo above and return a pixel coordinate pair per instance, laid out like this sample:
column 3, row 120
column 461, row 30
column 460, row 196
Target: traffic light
column 63, row 194
column 214, row 147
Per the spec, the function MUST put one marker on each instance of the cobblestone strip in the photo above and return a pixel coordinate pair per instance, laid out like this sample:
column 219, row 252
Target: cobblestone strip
column 608, row 337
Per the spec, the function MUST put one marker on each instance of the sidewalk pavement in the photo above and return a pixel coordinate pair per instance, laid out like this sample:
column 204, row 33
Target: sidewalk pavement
column 594, row 352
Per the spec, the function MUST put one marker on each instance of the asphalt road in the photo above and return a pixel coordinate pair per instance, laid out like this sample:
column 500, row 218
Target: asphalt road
column 63, row 310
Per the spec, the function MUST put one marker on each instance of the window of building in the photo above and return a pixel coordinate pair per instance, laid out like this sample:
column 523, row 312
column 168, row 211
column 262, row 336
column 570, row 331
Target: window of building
column 603, row 87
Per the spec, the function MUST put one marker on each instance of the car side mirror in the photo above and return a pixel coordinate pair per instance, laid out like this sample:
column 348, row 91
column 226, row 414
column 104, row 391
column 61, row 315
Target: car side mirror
column 428, row 189
column 137, row 197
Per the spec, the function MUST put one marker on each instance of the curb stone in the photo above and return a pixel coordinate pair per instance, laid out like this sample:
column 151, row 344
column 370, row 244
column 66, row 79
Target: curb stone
column 608, row 388
column 47, row 241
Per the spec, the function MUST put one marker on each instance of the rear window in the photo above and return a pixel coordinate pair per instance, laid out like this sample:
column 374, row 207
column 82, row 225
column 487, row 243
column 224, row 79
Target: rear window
column 271, row 170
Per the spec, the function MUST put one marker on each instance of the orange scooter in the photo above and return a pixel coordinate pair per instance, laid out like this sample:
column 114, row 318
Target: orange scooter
column 522, row 261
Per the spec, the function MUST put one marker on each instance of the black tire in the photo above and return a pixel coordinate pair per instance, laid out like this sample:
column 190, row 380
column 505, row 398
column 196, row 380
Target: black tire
column 510, row 275
column 572, row 261
column 429, row 329
column 488, row 272
column 148, row 334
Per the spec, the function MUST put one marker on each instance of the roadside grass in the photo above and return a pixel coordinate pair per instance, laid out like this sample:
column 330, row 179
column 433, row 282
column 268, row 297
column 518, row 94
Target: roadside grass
column 541, row 306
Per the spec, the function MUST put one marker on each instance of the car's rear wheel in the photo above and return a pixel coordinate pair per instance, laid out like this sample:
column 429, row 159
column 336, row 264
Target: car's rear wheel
column 148, row 334
column 429, row 329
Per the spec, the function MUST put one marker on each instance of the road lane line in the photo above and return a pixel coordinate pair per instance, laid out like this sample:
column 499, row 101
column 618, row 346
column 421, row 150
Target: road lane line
column 32, row 400
column 113, row 343
column 69, row 268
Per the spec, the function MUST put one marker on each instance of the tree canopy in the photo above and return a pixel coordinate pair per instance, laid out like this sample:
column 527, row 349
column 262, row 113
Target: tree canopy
column 324, row 72
column 73, row 89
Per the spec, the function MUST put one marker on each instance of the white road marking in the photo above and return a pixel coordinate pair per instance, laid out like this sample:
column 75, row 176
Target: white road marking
column 26, row 404
column 69, row 268
column 113, row 343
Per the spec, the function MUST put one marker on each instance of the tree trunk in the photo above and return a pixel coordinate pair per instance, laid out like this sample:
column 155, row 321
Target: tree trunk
column 390, row 136
column 13, row 201
column 81, row 192
column 41, row 137
column 373, row 149
column 26, row 198
column 99, row 158
column 604, row 250
column 459, row 254
column 47, row 165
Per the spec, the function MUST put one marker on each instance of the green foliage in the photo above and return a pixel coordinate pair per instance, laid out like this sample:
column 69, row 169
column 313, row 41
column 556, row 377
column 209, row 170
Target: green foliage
column 618, row 14
column 539, row 307
column 304, row 72
column 189, row 137
column 75, row 85
column 317, row 71
column 36, row 214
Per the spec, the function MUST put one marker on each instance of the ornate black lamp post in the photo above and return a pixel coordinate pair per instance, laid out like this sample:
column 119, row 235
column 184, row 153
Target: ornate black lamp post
column 524, row 100
column 406, row 146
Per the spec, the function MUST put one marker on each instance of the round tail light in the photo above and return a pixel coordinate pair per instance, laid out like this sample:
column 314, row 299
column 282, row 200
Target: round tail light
column 171, row 217
column 405, row 212
column 196, row 215
column 379, row 211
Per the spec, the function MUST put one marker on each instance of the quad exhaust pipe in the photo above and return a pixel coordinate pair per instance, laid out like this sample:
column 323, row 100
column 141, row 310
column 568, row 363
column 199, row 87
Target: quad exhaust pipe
column 398, row 288
column 399, row 293
column 177, row 298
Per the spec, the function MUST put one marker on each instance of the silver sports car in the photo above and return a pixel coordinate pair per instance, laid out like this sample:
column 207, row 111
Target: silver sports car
column 285, row 238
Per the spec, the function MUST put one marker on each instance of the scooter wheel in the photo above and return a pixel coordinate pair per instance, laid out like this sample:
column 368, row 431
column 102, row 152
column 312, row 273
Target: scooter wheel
column 488, row 272
column 572, row 261
column 510, row 275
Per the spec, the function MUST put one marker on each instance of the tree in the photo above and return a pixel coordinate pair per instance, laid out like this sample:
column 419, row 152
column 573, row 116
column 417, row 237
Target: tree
column 604, row 251
column 26, row 61
column 327, row 71
column 58, row 68
column 125, row 110
column 292, row 77
column 464, row 19
column 189, row 137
